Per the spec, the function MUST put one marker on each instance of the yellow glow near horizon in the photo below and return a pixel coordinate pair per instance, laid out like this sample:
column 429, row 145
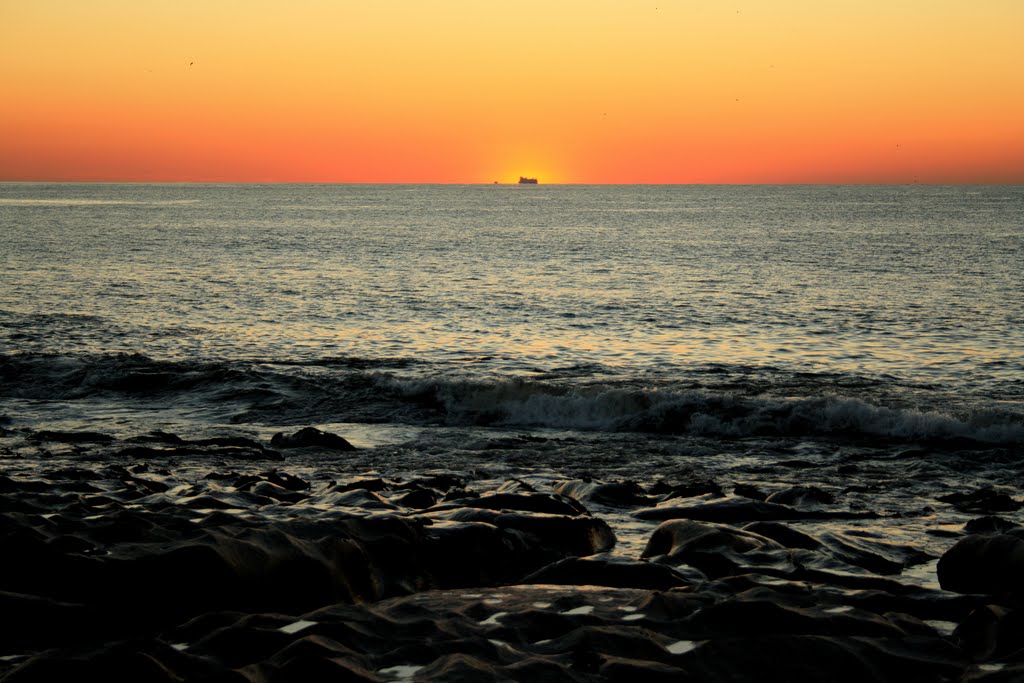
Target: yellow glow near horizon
column 463, row 91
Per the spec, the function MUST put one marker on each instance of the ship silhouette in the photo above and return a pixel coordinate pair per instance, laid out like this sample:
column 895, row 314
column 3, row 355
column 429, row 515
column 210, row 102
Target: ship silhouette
column 523, row 180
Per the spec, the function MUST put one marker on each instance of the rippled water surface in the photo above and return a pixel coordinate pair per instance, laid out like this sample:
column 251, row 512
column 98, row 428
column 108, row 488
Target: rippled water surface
column 731, row 311
column 917, row 282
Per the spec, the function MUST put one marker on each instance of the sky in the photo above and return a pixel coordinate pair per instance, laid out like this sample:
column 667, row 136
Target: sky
column 476, row 91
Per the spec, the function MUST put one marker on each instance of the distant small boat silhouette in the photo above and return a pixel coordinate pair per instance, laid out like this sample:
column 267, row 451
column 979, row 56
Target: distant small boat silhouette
column 523, row 180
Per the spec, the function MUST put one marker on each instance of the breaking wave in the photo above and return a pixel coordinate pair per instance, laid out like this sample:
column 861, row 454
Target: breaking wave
column 514, row 403
column 373, row 391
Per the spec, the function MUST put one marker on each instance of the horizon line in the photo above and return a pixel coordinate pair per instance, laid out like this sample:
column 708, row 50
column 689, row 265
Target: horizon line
column 510, row 183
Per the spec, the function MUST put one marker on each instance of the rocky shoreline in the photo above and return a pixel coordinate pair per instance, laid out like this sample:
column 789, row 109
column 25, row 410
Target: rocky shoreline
column 227, row 559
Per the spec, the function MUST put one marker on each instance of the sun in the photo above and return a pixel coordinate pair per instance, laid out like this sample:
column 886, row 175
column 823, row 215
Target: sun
column 543, row 165
column 543, row 174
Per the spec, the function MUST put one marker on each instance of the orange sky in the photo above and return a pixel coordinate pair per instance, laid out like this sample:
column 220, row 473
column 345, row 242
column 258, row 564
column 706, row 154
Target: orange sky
column 451, row 91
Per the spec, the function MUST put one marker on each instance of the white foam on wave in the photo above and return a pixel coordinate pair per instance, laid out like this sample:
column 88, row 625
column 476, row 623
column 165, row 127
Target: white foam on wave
column 516, row 402
column 579, row 405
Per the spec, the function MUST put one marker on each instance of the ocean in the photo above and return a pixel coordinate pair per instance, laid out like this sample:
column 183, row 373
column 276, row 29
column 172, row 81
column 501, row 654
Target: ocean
column 580, row 433
column 828, row 312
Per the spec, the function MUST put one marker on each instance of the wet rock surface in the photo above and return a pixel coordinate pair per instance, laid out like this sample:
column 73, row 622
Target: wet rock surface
column 211, row 564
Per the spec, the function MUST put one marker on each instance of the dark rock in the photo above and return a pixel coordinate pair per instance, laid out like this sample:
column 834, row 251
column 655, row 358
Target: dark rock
column 925, row 604
column 285, row 480
column 528, row 634
column 158, row 436
column 622, row 669
column 749, row 491
column 784, row 535
column 356, row 498
column 39, row 623
column 10, row 485
column 498, row 556
column 278, row 493
column 802, row 496
column 283, row 567
column 688, row 489
column 715, row 549
column 989, row 564
column 121, row 662
column 418, row 499
column 317, row 658
column 311, row 437
column 752, row 617
column 244, row 641
column 506, row 546
column 516, row 486
column 863, row 553
column 552, row 504
column 1010, row 673
column 145, row 486
column 614, row 494
column 734, row 510
column 71, row 474
column 991, row 632
column 984, row 500
column 223, row 476
column 438, row 482
column 617, row 572
column 293, row 665
column 460, row 668
column 564, row 534
column 459, row 494
column 281, row 480
column 811, row 658
column 364, row 483
column 943, row 533
column 988, row 525
column 797, row 464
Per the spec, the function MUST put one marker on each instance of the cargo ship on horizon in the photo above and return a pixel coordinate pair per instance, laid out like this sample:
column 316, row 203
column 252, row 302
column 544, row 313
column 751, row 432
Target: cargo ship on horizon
column 523, row 180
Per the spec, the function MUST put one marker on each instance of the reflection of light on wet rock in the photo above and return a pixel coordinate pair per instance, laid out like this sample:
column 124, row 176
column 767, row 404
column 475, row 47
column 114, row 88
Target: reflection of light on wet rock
column 616, row 617
column 585, row 609
column 991, row 668
column 403, row 672
column 493, row 619
column 681, row 647
column 297, row 626
column 944, row 628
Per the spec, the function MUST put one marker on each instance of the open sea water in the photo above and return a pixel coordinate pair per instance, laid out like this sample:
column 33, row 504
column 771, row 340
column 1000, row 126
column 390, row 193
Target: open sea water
column 437, row 316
